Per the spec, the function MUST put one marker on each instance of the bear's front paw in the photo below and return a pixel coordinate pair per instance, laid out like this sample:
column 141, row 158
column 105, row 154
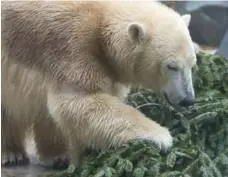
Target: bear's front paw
column 159, row 135
column 10, row 158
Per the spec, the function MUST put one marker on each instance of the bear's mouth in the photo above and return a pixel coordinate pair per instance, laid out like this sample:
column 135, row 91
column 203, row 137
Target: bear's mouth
column 169, row 102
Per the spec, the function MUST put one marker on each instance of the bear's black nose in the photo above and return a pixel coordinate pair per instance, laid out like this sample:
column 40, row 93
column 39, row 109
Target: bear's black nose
column 187, row 101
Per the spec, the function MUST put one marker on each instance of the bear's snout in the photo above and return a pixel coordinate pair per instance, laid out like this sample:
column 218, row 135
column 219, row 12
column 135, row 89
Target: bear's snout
column 187, row 101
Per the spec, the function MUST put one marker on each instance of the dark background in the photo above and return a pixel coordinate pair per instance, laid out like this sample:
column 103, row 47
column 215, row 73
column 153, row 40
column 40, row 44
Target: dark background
column 209, row 22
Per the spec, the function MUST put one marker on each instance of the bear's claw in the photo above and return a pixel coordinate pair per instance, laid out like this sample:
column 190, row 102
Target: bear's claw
column 160, row 136
column 9, row 158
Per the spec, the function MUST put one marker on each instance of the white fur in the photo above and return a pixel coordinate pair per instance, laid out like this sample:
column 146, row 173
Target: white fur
column 79, row 81
column 121, row 90
column 162, row 138
column 187, row 19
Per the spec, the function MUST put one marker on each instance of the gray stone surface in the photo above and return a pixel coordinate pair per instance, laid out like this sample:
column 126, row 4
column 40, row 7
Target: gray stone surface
column 223, row 48
column 25, row 171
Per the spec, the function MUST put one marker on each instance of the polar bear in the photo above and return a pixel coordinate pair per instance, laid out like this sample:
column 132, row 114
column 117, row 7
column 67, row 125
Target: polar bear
column 67, row 67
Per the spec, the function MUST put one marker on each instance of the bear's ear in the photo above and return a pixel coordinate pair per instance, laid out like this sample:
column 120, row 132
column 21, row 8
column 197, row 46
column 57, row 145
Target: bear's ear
column 186, row 18
column 136, row 32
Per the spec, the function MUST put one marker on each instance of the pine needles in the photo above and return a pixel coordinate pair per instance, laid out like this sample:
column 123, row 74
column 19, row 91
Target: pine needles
column 200, row 133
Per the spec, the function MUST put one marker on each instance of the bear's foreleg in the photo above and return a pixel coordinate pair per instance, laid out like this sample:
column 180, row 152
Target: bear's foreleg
column 13, row 139
column 101, row 121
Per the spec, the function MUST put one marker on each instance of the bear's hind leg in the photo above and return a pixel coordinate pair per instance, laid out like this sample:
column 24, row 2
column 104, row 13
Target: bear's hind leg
column 13, row 138
column 51, row 143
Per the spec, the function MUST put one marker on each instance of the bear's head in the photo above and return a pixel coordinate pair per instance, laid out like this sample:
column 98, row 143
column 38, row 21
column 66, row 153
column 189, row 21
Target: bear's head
column 167, row 61
column 155, row 51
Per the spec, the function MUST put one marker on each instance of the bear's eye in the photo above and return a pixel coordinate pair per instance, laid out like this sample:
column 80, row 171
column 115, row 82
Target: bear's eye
column 171, row 67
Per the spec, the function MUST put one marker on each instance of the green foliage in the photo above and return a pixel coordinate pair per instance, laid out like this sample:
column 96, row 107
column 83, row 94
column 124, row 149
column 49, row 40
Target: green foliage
column 200, row 133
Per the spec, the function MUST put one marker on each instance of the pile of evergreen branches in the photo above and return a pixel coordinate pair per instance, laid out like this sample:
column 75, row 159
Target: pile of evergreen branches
column 200, row 133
